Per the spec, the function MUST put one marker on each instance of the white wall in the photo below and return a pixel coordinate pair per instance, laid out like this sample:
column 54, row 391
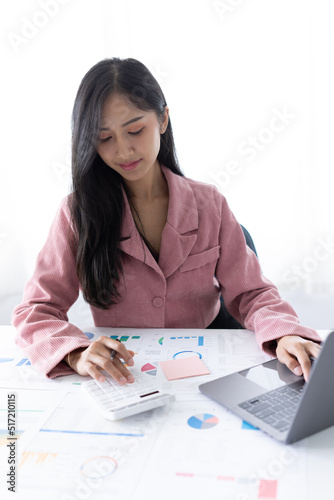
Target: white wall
column 229, row 70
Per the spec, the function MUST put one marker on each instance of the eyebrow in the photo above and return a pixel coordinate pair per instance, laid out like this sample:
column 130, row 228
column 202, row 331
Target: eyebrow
column 126, row 123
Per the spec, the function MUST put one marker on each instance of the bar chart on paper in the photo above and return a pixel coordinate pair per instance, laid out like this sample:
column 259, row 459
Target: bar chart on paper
column 16, row 361
column 37, row 458
column 182, row 346
column 239, row 487
column 142, row 342
column 195, row 339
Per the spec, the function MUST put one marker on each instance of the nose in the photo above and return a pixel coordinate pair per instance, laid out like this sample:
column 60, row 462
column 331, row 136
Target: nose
column 124, row 149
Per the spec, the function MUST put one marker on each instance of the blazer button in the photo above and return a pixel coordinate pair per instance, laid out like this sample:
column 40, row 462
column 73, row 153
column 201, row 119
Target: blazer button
column 157, row 301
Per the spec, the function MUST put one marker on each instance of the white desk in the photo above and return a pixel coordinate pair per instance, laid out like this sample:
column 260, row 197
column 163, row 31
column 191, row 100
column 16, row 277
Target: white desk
column 66, row 451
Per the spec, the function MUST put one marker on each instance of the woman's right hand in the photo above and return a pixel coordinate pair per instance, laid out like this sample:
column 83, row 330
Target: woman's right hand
column 90, row 360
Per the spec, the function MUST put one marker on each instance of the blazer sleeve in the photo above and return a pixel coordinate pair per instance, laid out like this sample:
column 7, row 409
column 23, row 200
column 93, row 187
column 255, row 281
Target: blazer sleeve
column 250, row 297
column 43, row 331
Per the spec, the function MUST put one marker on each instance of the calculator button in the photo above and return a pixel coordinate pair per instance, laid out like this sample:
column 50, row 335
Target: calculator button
column 103, row 398
column 116, row 397
column 109, row 390
column 90, row 383
column 104, row 384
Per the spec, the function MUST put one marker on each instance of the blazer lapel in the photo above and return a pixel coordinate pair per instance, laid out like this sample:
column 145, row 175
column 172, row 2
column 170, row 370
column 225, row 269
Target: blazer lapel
column 174, row 250
column 182, row 218
column 131, row 242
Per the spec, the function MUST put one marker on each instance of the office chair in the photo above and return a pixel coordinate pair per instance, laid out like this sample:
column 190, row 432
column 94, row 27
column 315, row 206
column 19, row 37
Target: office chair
column 224, row 320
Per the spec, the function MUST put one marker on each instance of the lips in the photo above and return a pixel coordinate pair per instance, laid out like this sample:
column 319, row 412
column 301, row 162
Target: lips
column 129, row 166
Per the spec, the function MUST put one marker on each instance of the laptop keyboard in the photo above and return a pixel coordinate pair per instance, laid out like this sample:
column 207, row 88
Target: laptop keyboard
column 276, row 408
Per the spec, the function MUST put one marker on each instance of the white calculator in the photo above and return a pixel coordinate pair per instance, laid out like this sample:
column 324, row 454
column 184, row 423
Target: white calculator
column 117, row 401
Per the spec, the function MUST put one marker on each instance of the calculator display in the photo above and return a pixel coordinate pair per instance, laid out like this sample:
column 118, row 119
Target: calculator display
column 149, row 394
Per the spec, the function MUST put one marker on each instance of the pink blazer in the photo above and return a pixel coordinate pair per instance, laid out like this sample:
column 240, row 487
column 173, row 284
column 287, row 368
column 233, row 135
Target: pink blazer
column 203, row 253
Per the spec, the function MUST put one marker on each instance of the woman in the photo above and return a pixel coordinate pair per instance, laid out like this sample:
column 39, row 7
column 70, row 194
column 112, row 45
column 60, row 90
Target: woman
column 147, row 246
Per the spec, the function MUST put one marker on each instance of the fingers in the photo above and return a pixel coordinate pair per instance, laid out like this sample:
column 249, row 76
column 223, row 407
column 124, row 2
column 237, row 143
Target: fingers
column 114, row 367
column 98, row 356
column 295, row 353
column 314, row 349
column 119, row 347
column 292, row 362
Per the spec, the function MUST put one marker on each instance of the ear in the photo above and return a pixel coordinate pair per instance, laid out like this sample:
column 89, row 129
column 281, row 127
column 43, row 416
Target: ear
column 165, row 119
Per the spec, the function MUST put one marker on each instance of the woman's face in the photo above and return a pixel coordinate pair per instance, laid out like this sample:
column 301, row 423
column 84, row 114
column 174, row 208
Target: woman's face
column 129, row 138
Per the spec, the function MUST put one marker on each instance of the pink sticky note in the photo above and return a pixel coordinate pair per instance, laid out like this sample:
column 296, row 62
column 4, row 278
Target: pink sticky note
column 268, row 489
column 184, row 367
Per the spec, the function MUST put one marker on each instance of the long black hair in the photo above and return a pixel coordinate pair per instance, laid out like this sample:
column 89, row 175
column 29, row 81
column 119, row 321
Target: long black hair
column 97, row 203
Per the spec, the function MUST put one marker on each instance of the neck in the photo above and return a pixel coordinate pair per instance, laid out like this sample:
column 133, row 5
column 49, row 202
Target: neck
column 150, row 187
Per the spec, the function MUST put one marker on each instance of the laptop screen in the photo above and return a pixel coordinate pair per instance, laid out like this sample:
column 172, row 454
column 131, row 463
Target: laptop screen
column 270, row 375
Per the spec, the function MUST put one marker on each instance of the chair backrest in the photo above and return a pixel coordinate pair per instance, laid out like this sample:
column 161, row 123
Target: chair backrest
column 249, row 240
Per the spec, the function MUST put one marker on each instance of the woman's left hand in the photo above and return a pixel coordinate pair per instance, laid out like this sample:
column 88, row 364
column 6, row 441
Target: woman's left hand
column 295, row 352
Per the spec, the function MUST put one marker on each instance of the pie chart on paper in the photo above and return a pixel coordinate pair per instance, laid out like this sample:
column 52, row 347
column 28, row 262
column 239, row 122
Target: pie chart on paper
column 203, row 421
column 149, row 369
column 89, row 335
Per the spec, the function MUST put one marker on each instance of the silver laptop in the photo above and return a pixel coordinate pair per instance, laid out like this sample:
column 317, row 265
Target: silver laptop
column 270, row 397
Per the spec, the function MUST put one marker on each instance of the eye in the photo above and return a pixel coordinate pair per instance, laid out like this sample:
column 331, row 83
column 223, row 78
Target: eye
column 105, row 140
column 138, row 131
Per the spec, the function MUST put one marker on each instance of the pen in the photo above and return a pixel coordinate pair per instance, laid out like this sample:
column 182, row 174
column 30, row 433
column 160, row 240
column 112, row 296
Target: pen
column 113, row 352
